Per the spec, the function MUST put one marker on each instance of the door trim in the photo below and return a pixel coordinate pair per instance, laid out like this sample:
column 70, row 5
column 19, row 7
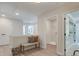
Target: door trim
column 56, row 19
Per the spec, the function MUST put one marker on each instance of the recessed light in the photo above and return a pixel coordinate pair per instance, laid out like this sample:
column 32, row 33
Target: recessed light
column 3, row 15
column 17, row 13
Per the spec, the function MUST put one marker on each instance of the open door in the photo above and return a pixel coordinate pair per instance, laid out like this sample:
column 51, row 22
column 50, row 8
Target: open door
column 69, row 35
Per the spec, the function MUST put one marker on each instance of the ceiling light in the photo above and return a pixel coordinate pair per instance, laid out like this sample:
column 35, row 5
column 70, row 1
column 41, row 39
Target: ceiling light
column 3, row 15
column 17, row 13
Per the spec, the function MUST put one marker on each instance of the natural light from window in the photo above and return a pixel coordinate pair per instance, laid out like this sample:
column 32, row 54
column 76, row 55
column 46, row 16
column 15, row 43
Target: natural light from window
column 28, row 29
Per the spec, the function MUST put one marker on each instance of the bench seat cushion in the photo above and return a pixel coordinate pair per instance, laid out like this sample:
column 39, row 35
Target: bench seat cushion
column 28, row 44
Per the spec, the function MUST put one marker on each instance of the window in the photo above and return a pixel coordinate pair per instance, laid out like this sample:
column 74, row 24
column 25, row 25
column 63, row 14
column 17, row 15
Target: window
column 28, row 29
column 24, row 29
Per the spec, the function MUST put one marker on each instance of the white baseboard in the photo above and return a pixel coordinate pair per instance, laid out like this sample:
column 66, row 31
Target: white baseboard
column 43, row 46
column 59, row 54
column 52, row 43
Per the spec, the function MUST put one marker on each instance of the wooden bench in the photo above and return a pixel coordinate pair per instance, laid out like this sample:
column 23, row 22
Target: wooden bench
column 35, row 43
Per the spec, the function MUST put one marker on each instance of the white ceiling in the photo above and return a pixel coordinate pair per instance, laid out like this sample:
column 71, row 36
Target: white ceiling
column 28, row 10
column 32, row 7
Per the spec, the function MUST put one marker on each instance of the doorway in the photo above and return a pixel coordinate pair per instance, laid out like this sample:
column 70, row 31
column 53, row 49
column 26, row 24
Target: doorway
column 71, row 37
column 52, row 30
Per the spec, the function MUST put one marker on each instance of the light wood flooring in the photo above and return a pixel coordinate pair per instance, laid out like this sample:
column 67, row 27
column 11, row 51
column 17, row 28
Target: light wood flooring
column 49, row 51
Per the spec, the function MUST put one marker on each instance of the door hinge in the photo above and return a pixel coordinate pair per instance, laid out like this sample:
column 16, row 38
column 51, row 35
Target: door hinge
column 74, row 32
column 65, row 34
column 64, row 18
column 64, row 49
column 74, row 40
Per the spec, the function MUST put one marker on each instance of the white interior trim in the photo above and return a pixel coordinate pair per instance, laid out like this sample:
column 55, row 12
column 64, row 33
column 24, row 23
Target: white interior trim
column 59, row 54
column 52, row 43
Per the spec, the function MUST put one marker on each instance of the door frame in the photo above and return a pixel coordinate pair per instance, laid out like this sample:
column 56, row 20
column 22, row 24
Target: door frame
column 47, row 19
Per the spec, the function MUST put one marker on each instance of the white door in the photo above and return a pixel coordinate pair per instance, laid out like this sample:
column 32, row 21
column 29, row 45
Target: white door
column 69, row 35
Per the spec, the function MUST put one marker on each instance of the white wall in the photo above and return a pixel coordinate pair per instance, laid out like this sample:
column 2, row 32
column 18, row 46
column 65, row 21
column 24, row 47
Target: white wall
column 10, row 27
column 60, row 16
column 5, row 26
column 17, row 27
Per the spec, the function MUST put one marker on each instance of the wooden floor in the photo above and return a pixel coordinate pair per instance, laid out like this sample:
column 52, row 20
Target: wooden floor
column 49, row 51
